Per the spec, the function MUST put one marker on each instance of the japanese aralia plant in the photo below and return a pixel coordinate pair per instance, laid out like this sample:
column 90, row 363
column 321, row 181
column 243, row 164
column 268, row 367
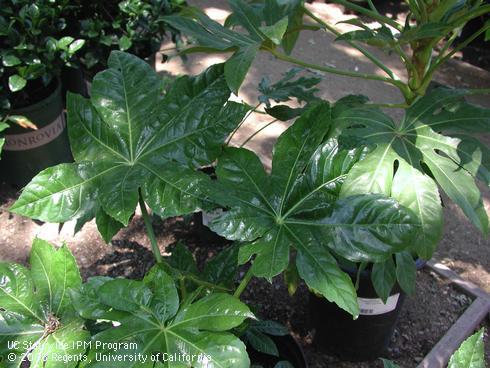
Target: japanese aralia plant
column 347, row 182
column 133, row 144
column 431, row 148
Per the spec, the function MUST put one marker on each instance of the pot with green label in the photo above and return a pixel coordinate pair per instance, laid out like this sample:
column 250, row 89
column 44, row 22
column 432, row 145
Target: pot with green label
column 27, row 152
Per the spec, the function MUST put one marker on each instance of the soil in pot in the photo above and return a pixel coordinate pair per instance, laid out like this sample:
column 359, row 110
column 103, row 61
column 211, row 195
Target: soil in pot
column 366, row 338
column 27, row 152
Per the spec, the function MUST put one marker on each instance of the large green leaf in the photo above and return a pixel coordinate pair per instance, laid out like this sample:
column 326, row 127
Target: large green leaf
column 150, row 318
column 410, row 160
column 471, row 353
column 298, row 205
column 35, row 310
column 266, row 25
column 129, row 136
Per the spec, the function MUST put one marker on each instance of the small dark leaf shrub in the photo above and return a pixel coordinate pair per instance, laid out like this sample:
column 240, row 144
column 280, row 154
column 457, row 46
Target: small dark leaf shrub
column 135, row 26
column 33, row 48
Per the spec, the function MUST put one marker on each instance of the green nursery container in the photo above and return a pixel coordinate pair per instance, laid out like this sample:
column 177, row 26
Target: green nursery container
column 26, row 152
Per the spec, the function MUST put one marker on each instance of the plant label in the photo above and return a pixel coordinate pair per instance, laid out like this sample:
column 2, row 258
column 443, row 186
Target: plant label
column 374, row 307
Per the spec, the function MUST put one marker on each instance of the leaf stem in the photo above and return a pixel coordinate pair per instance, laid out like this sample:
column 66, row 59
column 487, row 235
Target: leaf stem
column 241, row 123
column 183, row 291
column 390, row 105
column 361, row 49
column 478, row 91
column 401, row 86
column 461, row 46
column 149, row 229
column 257, row 132
column 243, row 284
column 205, row 284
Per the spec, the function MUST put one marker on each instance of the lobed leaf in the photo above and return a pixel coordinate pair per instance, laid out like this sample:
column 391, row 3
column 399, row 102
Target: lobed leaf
column 128, row 136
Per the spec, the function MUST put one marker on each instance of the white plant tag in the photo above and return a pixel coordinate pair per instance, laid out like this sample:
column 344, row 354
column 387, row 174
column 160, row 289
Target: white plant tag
column 374, row 307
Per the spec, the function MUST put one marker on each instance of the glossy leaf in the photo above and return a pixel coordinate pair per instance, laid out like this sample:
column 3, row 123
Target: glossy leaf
column 260, row 342
column 406, row 272
column 222, row 268
column 35, row 309
column 411, row 159
column 383, row 276
column 127, row 136
column 272, row 23
column 53, row 272
column 471, row 353
column 16, row 83
column 153, row 321
column 107, row 226
column 297, row 205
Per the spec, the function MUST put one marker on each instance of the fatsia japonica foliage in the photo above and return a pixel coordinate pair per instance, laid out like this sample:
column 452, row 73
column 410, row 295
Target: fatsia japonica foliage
column 299, row 205
column 266, row 24
column 47, row 316
column 150, row 315
column 432, row 147
column 129, row 136
column 36, row 311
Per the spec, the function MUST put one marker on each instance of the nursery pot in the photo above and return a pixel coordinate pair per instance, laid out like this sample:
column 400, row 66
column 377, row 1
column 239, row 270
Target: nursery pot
column 26, row 152
column 289, row 350
column 73, row 81
column 365, row 338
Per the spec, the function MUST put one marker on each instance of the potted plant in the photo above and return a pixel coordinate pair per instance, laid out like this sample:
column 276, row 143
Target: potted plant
column 408, row 160
column 32, row 53
column 135, row 26
column 316, row 214
column 151, row 154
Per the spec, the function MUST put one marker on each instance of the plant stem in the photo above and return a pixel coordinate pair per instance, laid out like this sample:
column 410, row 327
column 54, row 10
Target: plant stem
column 149, row 229
column 361, row 49
column 443, row 58
column 328, row 69
column 241, row 123
column 478, row 91
column 404, row 89
column 243, row 284
column 376, row 16
column 183, row 291
column 257, row 132
column 205, row 284
column 390, row 105
column 461, row 46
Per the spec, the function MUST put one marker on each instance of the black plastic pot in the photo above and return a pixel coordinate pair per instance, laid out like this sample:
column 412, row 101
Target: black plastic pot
column 26, row 152
column 289, row 350
column 365, row 338
column 73, row 81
